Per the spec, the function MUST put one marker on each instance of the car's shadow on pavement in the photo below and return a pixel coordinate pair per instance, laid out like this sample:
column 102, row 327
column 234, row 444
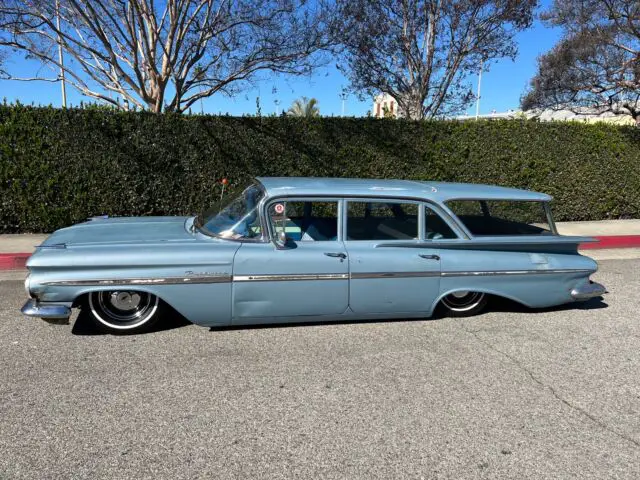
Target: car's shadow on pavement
column 506, row 305
column 172, row 320
column 169, row 321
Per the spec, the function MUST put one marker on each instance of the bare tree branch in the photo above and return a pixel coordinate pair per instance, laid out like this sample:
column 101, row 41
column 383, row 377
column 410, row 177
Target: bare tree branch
column 164, row 55
column 595, row 68
column 421, row 52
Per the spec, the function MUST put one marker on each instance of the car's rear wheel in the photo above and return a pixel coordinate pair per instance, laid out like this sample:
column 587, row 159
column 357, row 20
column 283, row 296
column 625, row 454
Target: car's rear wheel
column 464, row 303
column 123, row 311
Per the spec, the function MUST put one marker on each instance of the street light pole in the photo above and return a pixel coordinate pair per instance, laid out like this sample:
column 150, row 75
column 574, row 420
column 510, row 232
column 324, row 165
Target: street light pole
column 60, row 57
column 479, row 86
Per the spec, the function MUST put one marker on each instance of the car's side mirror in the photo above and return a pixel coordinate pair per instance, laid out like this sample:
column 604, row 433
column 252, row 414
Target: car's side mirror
column 283, row 242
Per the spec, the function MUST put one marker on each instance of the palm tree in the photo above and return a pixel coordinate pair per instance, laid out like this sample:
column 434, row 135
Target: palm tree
column 304, row 107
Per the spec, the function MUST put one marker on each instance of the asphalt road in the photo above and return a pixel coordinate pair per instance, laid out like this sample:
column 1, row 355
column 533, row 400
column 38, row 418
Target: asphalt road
column 508, row 394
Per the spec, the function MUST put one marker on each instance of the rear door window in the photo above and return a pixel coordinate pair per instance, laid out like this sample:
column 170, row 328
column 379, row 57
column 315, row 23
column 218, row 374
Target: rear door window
column 380, row 220
column 435, row 226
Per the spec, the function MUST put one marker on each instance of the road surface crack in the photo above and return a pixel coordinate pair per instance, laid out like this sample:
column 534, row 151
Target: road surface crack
column 553, row 391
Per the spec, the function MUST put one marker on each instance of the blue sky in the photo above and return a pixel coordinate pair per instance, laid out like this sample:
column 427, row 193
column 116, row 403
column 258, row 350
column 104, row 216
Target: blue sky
column 502, row 85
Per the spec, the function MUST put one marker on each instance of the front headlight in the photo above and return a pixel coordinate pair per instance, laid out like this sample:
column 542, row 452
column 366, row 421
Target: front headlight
column 27, row 285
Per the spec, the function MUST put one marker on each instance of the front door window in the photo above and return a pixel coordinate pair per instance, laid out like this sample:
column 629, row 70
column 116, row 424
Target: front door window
column 305, row 221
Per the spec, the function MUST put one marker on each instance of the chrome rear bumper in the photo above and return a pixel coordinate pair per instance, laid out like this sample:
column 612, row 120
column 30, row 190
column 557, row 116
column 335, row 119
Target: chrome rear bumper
column 588, row 290
column 34, row 309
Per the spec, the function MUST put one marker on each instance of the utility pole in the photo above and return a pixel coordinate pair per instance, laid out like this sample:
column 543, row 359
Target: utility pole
column 60, row 57
column 343, row 96
column 479, row 85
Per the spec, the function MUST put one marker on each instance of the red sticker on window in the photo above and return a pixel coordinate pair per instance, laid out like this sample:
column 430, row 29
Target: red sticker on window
column 279, row 208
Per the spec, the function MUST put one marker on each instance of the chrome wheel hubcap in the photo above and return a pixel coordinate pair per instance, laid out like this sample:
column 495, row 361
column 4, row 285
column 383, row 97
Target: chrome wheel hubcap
column 460, row 294
column 125, row 300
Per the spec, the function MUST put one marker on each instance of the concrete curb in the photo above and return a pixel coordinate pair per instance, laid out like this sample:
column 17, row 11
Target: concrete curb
column 16, row 261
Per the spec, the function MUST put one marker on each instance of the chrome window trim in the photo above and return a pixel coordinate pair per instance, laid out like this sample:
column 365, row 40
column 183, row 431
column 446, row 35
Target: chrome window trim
column 550, row 220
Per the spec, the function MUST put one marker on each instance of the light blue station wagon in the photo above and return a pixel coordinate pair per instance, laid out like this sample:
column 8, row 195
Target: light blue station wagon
column 314, row 249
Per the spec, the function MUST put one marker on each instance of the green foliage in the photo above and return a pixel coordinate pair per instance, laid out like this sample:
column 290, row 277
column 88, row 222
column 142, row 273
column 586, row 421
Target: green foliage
column 58, row 167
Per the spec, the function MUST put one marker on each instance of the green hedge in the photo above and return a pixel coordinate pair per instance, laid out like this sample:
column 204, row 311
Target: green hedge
column 58, row 167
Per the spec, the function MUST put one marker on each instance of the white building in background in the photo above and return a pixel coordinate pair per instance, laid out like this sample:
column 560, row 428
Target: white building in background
column 385, row 103
column 555, row 116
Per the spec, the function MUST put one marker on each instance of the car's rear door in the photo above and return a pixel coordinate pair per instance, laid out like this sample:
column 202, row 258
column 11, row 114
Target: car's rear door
column 392, row 267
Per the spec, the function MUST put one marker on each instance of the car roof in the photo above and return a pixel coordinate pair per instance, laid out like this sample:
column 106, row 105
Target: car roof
column 373, row 187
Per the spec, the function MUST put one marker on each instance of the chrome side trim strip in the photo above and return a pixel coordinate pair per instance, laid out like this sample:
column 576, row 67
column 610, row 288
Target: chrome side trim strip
column 200, row 279
column 143, row 281
column 290, row 277
column 514, row 272
column 366, row 275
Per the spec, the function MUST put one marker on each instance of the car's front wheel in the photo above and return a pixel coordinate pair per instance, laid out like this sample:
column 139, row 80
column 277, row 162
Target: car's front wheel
column 123, row 311
column 464, row 303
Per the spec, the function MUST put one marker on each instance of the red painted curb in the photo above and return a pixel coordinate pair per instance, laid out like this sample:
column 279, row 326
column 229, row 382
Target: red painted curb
column 613, row 241
column 13, row 261
column 16, row 261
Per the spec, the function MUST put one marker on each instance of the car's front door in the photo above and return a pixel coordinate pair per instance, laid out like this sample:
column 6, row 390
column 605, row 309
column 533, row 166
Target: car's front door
column 309, row 277
column 392, row 267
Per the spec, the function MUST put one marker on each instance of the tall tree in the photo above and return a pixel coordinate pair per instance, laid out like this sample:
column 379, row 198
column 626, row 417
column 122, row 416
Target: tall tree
column 422, row 52
column 167, row 54
column 595, row 68
column 304, row 107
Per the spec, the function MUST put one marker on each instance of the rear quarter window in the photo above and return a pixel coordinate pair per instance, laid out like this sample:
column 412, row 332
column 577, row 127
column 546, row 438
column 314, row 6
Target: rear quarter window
column 502, row 217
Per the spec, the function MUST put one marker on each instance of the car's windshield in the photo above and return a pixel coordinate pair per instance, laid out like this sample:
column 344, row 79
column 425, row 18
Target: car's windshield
column 238, row 220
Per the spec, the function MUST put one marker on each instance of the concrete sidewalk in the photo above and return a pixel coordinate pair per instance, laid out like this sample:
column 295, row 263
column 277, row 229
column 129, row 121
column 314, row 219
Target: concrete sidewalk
column 600, row 228
column 24, row 243
column 613, row 235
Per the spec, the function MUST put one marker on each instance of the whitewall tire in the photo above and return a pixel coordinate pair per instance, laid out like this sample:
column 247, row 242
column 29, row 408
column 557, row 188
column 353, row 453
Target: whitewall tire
column 464, row 303
column 123, row 311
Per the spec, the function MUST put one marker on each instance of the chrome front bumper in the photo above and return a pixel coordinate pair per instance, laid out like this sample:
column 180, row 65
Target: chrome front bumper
column 588, row 290
column 33, row 309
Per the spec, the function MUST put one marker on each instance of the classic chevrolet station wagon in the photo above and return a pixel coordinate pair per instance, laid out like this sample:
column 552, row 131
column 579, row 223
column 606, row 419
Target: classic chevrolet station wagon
column 314, row 249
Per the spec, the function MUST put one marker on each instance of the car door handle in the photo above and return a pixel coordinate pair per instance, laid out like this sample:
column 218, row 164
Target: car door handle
column 336, row 255
column 430, row 257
